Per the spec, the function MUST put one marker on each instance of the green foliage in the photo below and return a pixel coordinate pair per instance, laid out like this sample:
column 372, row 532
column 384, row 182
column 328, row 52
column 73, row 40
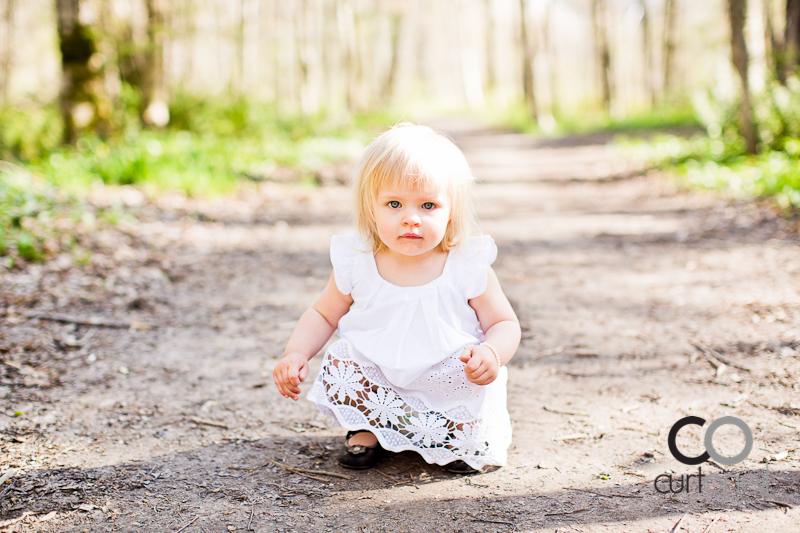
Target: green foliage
column 211, row 146
column 208, row 147
column 588, row 119
column 23, row 202
column 719, row 160
column 28, row 131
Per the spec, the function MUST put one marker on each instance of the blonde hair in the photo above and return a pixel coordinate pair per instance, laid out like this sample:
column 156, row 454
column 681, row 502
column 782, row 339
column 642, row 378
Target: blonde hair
column 409, row 155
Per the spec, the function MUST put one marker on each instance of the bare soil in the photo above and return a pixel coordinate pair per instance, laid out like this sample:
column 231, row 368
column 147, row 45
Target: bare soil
column 640, row 304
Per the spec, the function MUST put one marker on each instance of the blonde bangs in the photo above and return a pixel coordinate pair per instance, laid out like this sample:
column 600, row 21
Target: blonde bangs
column 416, row 157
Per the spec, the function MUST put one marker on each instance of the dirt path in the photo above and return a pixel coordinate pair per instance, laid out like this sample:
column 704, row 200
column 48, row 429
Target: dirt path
column 614, row 276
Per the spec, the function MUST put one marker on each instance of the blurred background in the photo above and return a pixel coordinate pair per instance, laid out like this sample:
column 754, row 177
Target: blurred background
column 206, row 96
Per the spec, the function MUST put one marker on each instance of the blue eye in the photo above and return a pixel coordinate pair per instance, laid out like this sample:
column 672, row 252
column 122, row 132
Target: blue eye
column 428, row 205
column 394, row 204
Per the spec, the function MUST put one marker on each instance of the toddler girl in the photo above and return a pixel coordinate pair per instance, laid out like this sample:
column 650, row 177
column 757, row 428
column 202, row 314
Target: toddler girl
column 424, row 327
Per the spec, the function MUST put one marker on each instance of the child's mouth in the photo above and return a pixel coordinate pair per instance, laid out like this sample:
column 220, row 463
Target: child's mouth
column 411, row 236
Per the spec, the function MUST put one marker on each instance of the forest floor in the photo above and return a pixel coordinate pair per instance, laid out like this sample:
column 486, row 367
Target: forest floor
column 640, row 304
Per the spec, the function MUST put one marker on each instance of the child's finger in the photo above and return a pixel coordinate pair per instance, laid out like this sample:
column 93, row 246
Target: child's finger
column 303, row 374
column 473, row 365
column 466, row 355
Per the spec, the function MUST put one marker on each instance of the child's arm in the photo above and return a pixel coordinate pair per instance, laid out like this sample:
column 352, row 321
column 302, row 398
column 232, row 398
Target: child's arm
column 501, row 327
column 313, row 330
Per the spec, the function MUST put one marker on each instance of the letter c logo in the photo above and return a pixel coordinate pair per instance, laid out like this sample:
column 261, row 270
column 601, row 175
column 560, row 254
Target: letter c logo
column 708, row 441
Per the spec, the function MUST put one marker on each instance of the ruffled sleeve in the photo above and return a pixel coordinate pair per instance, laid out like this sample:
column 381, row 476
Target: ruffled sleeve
column 344, row 251
column 477, row 255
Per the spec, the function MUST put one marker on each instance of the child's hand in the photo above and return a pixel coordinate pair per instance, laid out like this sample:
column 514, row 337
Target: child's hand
column 289, row 373
column 481, row 368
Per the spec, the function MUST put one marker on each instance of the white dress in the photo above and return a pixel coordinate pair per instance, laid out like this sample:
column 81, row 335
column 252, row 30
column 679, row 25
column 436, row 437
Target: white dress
column 395, row 369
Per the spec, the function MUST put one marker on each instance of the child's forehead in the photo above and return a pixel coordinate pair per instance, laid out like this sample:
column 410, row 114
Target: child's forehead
column 412, row 188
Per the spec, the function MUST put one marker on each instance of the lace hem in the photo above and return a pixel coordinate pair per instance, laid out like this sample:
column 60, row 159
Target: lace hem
column 360, row 397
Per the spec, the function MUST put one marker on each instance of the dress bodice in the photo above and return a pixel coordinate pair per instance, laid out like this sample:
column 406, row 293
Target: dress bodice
column 407, row 330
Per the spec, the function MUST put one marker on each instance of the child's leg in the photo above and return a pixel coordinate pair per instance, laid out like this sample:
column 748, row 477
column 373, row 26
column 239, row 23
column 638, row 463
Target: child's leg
column 362, row 438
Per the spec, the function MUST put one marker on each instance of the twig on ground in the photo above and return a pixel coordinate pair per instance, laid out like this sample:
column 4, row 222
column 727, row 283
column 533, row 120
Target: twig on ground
column 250, row 520
column 713, row 462
column 397, row 481
column 306, row 471
column 605, row 495
column 493, row 521
column 718, row 357
column 562, row 412
column 574, row 436
column 567, row 512
column 202, row 422
column 677, row 524
column 189, row 524
column 708, row 527
column 93, row 321
column 782, row 505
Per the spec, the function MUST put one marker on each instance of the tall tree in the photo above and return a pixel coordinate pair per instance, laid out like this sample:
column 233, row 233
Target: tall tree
column 670, row 19
column 5, row 64
column 736, row 14
column 527, row 63
column 647, row 54
column 155, row 111
column 490, row 48
column 603, row 55
column 85, row 104
column 771, row 45
column 792, row 36
column 396, row 16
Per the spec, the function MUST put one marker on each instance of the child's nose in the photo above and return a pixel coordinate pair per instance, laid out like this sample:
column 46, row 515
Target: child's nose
column 412, row 219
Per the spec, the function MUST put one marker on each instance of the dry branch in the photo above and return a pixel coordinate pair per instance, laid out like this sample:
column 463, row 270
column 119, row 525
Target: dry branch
column 605, row 495
column 93, row 321
column 189, row 524
column 305, row 471
column 708, row 527
column 202, row 422
column 720, row 359
column 677, row 524
column 567, row 512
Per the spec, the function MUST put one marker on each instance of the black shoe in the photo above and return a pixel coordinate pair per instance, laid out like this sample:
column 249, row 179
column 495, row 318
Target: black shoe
column 359, row 457
column 460, row 467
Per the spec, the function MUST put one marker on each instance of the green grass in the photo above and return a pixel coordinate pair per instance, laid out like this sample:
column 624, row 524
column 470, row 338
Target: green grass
column 588, row 119
column 212, row 146
column 720, row 163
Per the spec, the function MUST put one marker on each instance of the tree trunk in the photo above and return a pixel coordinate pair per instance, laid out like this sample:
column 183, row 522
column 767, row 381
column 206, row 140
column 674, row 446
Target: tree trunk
column 387, row 89
column 238, row 81
column 792, row 37
column 346, row 21
column 603, row 55
column 5, row 66
column 736, row 13
column 490, row 31
column 155, row 111
column 670, row 16
column 647, row 55
column 468, row 55
column 84, row 104
column 550, row 53
column 527, row 64
column 771, row 46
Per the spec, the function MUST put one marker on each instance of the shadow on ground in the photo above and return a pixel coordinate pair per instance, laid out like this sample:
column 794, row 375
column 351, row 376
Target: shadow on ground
column 233, row 486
